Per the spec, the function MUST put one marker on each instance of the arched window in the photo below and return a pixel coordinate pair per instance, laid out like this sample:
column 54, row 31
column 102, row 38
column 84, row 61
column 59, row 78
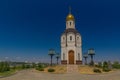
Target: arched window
column 63, row 56
column 70, row 23
column 78, row 56
column 77, row 38
column 70, row 38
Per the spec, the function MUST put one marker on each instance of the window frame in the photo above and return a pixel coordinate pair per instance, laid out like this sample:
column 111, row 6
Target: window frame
column 70, row 38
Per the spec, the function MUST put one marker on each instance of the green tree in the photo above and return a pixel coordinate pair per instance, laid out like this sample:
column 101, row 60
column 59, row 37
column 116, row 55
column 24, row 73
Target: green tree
column 33, row 65
column 105, row 67
column 4, row 66
column 23, row 66
column 1, row 67
column 116, row 65
column 27, row 66
column 7, row 66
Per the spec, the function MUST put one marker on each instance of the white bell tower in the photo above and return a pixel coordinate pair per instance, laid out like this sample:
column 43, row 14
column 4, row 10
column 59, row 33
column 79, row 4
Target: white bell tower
column 71, row 42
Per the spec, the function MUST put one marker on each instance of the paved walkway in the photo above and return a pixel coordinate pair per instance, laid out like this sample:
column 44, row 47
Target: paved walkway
column 31, row 75
column 72, row 69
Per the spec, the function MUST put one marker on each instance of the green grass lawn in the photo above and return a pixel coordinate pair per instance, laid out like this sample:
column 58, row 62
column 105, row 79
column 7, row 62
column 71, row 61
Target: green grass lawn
column 7, row 73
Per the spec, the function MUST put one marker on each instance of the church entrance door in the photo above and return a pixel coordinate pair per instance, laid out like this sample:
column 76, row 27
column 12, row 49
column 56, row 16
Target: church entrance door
column 71, row 57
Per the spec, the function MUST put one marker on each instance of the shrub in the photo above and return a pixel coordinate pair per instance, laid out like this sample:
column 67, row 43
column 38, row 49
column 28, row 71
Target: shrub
column 41, row 69
column 97, row 70
column 37, row 68
column 27, row 66
column 96, row 65
column 23, row 66
column 106, row 69
column 4, row 66
column 51, row 70
column 33, row 65
column 116, row 65
column 105, row 64
column 40, row 65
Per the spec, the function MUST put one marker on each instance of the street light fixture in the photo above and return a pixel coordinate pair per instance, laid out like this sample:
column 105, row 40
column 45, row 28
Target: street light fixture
column 91, row 52
column 51, row 53
column 57, row 57
column 85, row 56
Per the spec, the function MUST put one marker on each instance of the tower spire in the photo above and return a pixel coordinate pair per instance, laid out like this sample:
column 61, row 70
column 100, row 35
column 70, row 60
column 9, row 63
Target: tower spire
column 69, row 9
column 70, row 16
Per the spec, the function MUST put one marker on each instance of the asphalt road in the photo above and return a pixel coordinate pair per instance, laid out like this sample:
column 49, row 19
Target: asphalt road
column 32, row 75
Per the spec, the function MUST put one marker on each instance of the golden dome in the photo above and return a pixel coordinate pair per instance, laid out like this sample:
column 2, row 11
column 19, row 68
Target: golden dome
column 70, row 17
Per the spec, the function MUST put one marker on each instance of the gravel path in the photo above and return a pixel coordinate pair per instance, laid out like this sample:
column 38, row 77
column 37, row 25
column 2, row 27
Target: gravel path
column 31, row 75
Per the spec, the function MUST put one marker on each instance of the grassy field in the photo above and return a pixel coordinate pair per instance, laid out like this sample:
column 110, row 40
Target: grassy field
column 58, row 69
column 7, row 73
column 89, row 70
column 86, row 69
column 82, row 69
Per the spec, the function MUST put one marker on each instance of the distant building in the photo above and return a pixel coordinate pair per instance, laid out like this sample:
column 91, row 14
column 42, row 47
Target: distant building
column 71, row 42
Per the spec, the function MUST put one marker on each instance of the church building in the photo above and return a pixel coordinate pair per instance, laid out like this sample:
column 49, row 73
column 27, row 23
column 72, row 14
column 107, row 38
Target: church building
column 71, row 43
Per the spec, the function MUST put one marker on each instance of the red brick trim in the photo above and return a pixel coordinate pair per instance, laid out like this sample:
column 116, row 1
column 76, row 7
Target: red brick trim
column 64, row 62
column 78, row 62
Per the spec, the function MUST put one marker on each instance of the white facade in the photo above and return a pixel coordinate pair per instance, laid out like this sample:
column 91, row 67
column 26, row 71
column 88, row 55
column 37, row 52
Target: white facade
column 71, row 41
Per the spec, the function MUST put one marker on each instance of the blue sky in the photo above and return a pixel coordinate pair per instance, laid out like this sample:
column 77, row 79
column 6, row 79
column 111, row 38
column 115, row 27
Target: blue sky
column 29, row 28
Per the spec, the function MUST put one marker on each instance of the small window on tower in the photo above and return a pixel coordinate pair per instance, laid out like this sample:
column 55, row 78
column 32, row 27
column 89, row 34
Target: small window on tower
column 70, row 23
column 70, row 38
column 77, row 38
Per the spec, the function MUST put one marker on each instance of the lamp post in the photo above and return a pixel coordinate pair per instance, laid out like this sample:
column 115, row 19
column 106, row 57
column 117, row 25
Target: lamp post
column 57, row 57
column 51, row 53
column 91, row 52
column 85, row 56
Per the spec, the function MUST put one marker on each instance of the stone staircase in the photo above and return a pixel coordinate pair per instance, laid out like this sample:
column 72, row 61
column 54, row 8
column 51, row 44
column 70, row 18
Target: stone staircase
column 72, row 69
